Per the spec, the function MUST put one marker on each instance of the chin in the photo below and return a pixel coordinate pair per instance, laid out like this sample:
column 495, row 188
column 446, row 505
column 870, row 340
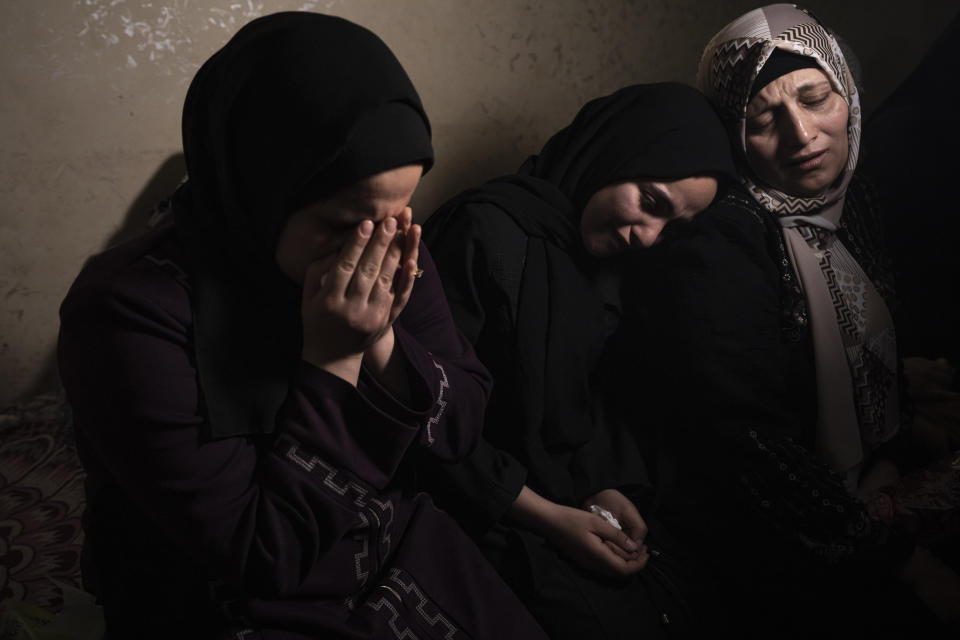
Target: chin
column 811, row 187
column 801, row 191
column 609, row 247
column 593, row 245
column 596, row 252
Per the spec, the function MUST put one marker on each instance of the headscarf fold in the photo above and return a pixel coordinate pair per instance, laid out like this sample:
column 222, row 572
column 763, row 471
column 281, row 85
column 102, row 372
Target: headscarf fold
column 854, row 345
column 293, row 108
column 664, row 130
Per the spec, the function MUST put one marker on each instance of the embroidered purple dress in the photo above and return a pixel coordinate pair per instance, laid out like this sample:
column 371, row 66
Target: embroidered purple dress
column 306, row 533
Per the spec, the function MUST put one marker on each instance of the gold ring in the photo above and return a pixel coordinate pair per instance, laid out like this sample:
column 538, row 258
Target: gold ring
column 418, row 273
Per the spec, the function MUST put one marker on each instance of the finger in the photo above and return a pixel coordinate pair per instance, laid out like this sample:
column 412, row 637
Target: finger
column 412, row 238
column 368, row 267
column 313, row 279
column 404, row 220
column 412, row 251
column 642, row 558
column 340, row 276
column 382, row 294
column 608, row 532
column 316, row 275
column 610, row 563
column 622, row 553
column 408, row 272
column 639, row 558
column 632, row 522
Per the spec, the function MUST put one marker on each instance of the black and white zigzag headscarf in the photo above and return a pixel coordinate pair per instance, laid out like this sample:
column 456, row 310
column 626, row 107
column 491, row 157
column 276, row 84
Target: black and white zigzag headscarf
column 731, row 62
column 854, row 343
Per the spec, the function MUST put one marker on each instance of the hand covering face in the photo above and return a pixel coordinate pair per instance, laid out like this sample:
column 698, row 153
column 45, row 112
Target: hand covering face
column 296, row 106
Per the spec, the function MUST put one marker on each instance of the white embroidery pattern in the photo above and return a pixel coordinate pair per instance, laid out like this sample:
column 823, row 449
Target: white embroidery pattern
column 395, row 616
column 364, row 553
column 292, row 453
column 386, row 509
column 441, row 402
column 373, row 513
column 411, row 588
column 172, row 268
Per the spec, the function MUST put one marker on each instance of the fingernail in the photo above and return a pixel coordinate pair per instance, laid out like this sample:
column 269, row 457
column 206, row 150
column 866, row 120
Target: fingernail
column 631, row 545
column 366, row 227
column 390, row 224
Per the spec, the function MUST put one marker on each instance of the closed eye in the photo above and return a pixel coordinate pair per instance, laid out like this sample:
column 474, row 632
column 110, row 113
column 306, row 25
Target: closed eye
column 817, row 101
column 658, row 203
column 339, row 225
column 760, row 123
column 647, row 202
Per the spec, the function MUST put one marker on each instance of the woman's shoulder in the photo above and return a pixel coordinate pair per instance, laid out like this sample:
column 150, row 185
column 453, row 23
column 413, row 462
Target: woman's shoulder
column 736, row 208
column 734, row 218
column 146, row 275
column 470, row 220
column 863, row 196
column 479, row 237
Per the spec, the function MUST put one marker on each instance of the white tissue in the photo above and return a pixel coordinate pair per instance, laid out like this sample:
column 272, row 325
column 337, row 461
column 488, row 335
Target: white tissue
column 606, row 515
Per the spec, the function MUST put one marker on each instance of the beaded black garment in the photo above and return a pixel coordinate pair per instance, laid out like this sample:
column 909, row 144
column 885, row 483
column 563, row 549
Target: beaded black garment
column 860, row 232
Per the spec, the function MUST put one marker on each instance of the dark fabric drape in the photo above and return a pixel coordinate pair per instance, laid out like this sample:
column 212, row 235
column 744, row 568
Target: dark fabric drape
column 910, row 152
column 539, row 310
column 663, row 130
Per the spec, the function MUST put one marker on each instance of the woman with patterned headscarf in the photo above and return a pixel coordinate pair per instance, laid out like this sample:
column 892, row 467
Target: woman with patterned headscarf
column 249, row 381
column 783, row 87
column 778, row 366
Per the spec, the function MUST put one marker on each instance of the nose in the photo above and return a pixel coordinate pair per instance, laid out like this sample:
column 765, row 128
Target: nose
column 646, row 235
column 797, row 126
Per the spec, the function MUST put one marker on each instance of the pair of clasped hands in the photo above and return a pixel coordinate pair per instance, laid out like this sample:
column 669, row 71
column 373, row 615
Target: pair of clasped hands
column 351, row 298
column 587, row 538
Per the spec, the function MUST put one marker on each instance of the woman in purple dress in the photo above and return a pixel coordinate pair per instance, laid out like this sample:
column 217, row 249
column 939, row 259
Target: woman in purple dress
column 249, row 381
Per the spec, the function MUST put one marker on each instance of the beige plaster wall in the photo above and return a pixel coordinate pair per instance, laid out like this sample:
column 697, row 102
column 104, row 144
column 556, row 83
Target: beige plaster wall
column 91, row 90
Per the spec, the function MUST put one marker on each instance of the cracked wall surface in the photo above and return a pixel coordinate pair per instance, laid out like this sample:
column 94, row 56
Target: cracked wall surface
column 91, row 92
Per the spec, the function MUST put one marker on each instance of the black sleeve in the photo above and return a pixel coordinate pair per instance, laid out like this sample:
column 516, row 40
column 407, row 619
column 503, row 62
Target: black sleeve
column 479, row 255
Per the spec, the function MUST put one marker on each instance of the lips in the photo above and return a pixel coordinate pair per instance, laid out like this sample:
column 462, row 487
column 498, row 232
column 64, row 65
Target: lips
column 808, row 161
column 618, row 243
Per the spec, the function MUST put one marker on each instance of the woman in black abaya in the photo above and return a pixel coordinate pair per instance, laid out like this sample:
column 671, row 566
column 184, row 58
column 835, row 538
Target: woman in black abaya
column 531, row 270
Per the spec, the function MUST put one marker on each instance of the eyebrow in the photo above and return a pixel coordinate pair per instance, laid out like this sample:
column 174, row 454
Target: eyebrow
column 804, row 88
column 807, row 86
column 347, row 216
column 356, row 208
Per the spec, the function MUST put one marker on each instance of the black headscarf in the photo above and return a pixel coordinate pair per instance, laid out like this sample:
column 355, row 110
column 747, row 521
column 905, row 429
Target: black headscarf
column 295, row 107
column 664, row 130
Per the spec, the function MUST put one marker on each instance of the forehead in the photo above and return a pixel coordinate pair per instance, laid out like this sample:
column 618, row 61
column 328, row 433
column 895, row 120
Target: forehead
column 790, row 85
column 687, row 196
column 373, row 195
column 392, row 184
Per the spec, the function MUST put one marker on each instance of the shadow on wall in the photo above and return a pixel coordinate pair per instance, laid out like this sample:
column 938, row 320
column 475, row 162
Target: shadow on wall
column 137, row 220
column 468, row 159
column 152, row 197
